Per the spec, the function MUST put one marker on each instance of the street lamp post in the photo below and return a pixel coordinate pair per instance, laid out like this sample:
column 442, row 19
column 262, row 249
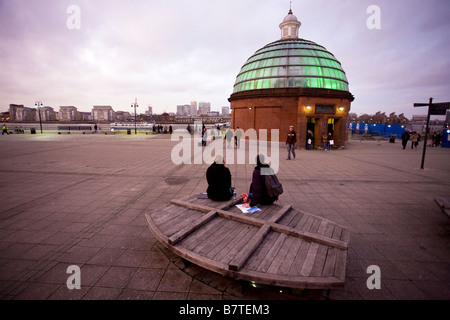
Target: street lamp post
column 39, row 105
column 135, row 105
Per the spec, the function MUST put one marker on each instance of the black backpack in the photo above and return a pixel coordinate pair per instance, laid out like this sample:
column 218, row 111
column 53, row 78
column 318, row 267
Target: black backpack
column 274, row 187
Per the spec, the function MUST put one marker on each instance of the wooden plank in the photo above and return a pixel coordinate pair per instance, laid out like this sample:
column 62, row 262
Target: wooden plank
column 299, row 259
column 154, row 229
column 161, row 216
column 345, row 235
column 224, row 237
column 235, row 245
column 238, row 261
column 302, row 221
column 291, row 220
column 193, row 206
column 284, row 269
column 260, row 253
column 340, row 265
column 330, row 262
column 231, row 231
column 280, row 213
column 290, row 258
column 183, row 233
column 292, row 282
column 200, row 236
column 281, row 255
column 267, row 261
column 287, row 255
column 230, row 204
column 180, row 222
column 312, row 252
column 317, row 268
column 309, row 236
column 266, row 212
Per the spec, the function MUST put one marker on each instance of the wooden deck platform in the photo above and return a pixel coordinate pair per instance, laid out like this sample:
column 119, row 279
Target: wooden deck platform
column 277, row 246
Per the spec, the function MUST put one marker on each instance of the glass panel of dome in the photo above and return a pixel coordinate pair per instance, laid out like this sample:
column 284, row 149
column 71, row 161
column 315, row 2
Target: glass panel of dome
column 338, row 74
column 295, row 70
column 294, row 60
column 249, row 85
column 266, row 84
column 259, row 73
column 291, row 82
column 319, row 82
column 267, row 72
column 283, row 61
column 326, row 72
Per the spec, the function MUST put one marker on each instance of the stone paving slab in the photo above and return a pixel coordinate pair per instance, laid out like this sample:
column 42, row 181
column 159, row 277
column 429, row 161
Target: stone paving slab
column 81, row 199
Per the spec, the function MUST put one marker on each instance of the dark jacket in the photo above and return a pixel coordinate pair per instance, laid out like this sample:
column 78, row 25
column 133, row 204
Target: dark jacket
column 291, row 137
column 258, row 188
column 219, row 182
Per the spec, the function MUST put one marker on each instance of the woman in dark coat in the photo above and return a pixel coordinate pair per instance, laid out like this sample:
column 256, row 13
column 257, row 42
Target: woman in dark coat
column 219, row 180
column 258, row 193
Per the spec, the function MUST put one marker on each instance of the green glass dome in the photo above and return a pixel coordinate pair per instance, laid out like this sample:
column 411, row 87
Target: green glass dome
column 291, row 63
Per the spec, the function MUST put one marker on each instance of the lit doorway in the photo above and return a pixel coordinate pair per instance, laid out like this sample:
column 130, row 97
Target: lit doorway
column 310, row 133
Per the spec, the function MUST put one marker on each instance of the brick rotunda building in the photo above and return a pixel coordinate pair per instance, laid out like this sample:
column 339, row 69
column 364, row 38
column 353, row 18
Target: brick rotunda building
column 296, row 82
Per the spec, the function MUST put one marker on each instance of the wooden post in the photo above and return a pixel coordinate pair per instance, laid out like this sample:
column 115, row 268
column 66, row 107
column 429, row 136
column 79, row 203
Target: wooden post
column 426, row 133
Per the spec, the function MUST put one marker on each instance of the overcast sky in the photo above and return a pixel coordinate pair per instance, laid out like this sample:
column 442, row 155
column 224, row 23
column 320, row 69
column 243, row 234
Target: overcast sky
column 167, row 53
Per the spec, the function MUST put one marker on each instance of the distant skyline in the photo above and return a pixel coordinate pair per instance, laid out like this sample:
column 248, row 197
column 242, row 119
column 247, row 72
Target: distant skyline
column 168, row 53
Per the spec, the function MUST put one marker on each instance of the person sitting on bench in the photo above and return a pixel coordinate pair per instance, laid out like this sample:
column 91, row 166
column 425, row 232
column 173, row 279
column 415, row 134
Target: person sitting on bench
column 219, row 180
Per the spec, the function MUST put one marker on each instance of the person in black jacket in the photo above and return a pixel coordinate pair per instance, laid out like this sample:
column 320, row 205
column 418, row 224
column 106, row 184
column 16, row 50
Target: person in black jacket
column 219, row 180
column 258, row 193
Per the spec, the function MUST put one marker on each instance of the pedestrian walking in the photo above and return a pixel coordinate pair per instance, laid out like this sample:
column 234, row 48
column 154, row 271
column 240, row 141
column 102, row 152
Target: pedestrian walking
column 229, row 138
column 325, row 141
column 5, row 130
column 238, row 135
column 414, row 140
column 405, row 138
column 291, row 140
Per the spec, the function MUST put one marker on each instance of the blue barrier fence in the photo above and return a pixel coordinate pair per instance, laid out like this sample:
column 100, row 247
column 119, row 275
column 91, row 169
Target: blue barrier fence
column 377, row 129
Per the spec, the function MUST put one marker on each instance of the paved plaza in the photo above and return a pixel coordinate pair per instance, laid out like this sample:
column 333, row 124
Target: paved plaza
column 79, row 200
